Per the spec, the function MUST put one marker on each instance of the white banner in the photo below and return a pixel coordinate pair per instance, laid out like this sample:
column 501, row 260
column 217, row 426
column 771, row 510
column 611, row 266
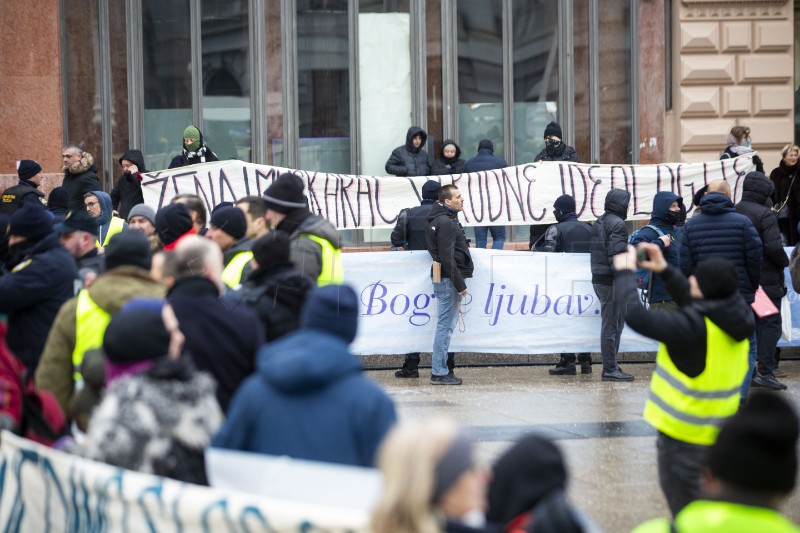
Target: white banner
column 515, row 195
column 518, row 303
column 42, row 489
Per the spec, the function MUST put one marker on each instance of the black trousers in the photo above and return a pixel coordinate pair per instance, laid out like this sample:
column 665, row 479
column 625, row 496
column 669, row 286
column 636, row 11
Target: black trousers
column 412, row 361
column 768, row 333
column 679, row 467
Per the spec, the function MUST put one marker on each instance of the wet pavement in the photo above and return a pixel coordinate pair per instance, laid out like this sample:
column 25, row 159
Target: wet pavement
column 609, row 448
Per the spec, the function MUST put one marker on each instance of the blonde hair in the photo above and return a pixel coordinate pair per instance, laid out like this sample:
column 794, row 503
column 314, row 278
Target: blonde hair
column 788, row 148
column 407, row 459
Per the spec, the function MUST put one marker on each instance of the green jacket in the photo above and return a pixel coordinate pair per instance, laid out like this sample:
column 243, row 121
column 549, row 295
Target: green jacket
column 705, row 516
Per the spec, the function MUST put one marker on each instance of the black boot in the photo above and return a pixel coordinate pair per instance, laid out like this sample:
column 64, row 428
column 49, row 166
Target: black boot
column 410, row 367
column 585, row 361
column 565, row 367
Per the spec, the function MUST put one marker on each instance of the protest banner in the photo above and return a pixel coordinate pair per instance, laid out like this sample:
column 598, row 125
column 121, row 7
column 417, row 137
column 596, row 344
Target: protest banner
column 522, row 194
column 42, row 489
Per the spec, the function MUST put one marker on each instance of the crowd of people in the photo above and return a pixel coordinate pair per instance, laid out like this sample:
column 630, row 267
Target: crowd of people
column 157, row 334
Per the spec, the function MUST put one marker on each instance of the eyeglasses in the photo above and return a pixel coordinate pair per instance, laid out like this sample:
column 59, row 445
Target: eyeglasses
column 90, row 204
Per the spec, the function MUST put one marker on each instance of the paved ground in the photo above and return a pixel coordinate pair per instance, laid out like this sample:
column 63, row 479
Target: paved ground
column 610, row 450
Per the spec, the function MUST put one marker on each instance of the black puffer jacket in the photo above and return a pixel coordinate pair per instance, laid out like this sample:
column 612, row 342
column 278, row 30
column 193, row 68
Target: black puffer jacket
column 757, row 190
column 447, row 244
column 719, row 231
column 128, row 191
column 277, row 296
column 80, row 178
column 407, row 160
column 562, row 153
column 609, row 236
column 448, row 165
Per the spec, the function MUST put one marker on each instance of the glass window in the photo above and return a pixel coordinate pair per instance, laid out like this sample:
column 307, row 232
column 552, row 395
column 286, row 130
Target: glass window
column 535, row 52
column 226, row 78
column 167, row 79
column 433, row 65
column 615, row 82
column 480, row 74
column 323, row 85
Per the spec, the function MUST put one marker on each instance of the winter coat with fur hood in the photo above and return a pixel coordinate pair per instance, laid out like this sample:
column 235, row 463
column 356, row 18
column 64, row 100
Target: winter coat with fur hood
column 80, row 178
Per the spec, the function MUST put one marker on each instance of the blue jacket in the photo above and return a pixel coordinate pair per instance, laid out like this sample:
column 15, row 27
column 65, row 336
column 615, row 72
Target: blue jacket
column 309, row 400
column 719, row 231
column 32, row 294
column 485, row 160
column 665, row 221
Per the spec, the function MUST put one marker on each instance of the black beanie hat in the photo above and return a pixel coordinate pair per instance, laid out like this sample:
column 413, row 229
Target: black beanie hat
column 59, row 198
column 430, row 191
column 286, row 194
column 717, row 278
column 524, row 475
column 135, row 335
column 486, row 144
column 565, row 203
column 128, row 248
column 172, row 221
column 553, row 129
column 757, row 448
column 231, row 220
column 26, row 169
column 272, row 250
column 332, row 309
column 32, row 220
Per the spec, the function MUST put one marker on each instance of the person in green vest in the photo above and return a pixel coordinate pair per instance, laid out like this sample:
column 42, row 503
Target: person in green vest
column 751, row 471
column 314, row 242
column 98, row 205
column 228, row 228
column 700, row 364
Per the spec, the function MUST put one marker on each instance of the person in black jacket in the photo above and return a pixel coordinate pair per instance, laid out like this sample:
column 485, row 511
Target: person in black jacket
column 756, row 193
column 410, row 159
column 409, row 234
column 195, row 150
column 609, row 238
column 80, row 175
column 555, row 149
column 447, row 244
column 569, row 235
column 128, row 191
column 30, row 177
column 486, row 160
column 450, row 161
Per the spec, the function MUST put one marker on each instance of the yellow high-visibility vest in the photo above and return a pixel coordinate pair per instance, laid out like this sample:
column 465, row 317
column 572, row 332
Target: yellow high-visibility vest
column 332, row 271
column 232, row 275
column 91, row 322
column 116, row 226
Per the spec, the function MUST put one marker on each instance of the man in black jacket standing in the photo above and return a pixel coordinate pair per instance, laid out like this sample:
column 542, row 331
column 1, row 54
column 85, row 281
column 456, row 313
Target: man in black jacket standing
column 128, row 191
column 452, row 264
column 30, row 177
column 80, row 175
column 756, row 191
column 555, row 149
column 410, row 159
column 486, row 160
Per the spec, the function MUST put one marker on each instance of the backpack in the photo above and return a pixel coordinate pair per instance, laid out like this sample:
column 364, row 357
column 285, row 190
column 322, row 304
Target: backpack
column 33, row 414
column 642, row 276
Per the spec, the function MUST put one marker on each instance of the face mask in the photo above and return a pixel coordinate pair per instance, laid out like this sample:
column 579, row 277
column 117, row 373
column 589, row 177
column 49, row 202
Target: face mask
column 746, row 143
column 672, row 217
column 552, row 143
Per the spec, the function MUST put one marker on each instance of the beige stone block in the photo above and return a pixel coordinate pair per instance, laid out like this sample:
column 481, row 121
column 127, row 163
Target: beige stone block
column 770, row 132
column 773, row 100
column 765, row 68
column 700, row 101
column 773, row 36
column 702, row 155
column 736, row 36
column 736, row 101
column 700, row 37
column 707, row 69
column 704, row 134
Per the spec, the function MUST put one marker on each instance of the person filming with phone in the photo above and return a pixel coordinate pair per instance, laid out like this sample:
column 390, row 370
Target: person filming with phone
column 701, row 362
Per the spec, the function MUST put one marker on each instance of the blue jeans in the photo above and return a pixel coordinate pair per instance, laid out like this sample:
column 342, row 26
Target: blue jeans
column 752, row 355
column 498, row 236
column 447, row 306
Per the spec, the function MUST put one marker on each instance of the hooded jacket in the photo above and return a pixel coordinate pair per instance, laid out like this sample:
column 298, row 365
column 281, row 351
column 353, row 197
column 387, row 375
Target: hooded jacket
column 447, row 244
column 104, row 220
column 444, row 165
column 309, row 400
column 609, row 236
column 407, row 160
column 202, row 155
column 128, row 191
column 756, row 193
column 684, row 332
column 719, row 231
column 664, row 220
column 80, row 178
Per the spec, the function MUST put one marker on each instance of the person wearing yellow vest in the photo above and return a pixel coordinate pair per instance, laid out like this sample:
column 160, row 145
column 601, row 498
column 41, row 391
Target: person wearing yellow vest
column 700, row 365
column 750, row 472
column 81, row 321
column 228, row 228
column 98, row 205
column 314, row 242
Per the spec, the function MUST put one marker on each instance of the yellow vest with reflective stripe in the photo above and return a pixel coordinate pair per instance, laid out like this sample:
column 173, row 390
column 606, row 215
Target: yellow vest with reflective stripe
column 331, row 272
column 232, row 275
column 692, row 409
column 116, row 226
column 91, row 322
column 703, row 516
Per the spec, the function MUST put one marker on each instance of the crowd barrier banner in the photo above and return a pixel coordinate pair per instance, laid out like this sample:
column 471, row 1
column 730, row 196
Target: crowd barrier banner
column 523, row 194
column 42, row 489
column 518, row 303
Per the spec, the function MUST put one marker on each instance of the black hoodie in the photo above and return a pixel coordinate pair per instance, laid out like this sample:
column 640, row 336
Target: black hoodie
column 128, row 191
column 448, row 165
column 407, row 160
column 609, row 236
column 683, row 332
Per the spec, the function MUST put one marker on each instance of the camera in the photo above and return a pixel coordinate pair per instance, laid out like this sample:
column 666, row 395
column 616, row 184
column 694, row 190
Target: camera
column 641, row 255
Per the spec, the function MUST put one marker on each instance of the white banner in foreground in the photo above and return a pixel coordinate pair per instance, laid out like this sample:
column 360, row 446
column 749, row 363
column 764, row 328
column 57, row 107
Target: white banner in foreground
column 523, row 194
column 42, row 489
